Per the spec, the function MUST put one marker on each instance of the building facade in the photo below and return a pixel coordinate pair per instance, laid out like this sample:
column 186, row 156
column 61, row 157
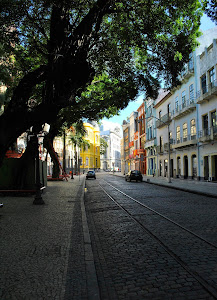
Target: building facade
column 111, row 159
column 90, row 156
column 181, row 124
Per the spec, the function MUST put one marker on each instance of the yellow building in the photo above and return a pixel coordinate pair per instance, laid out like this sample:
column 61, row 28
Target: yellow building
column 90, row 157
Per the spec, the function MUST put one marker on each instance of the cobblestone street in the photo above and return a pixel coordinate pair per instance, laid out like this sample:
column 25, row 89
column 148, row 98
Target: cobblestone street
column 82, row 245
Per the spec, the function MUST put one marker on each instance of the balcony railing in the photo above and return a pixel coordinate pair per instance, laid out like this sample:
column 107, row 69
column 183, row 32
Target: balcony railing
column 186, row 107
column 185, row 141
column 164, row 120
column 207, row 92
column 187, row 72
column 140, row 151
column 208, row 134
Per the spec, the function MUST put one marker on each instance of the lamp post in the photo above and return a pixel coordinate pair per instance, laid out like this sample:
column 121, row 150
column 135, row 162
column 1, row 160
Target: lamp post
column 38, row 198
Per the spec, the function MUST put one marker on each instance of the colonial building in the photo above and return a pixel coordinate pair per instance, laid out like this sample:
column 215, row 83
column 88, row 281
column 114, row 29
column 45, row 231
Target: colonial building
column 111, row 159
column 126, row 153
column 90, row 156
column 151, row 142
column 181, row 124
column 207, row 106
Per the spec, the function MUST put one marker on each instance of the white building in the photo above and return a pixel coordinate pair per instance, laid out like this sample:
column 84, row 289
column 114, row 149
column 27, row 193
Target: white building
column 207, row 106
column 111, row 160
column 187, row 117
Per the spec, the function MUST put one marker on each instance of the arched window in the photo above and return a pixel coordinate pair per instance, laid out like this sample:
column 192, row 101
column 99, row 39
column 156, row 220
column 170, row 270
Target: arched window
column 185, row 132
column 193, row 129
column 178, row 134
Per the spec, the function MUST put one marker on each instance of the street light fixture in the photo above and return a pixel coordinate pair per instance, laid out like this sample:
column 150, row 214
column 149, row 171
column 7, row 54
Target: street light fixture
column 38, row 198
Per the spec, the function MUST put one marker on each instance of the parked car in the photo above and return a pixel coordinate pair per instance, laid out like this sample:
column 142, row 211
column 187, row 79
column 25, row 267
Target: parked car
column 134, row 175
column 90, row 174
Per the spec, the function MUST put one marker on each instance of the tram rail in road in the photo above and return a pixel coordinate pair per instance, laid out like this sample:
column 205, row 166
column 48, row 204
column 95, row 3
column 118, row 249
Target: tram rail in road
column 205, row 283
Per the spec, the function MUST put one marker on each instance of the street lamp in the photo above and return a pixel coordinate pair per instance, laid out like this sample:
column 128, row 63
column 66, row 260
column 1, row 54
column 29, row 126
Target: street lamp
column 38, row 198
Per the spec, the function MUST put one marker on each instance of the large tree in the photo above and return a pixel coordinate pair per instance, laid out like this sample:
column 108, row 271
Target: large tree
column 89, row 56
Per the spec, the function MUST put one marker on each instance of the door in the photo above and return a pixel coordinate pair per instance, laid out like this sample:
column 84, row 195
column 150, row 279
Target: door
column 185, row 167
column 178, row 167
column 206, row 167
column 171, row 167
column 194, row 166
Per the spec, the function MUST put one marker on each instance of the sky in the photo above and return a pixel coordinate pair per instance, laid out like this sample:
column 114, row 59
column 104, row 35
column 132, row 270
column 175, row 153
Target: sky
column 206, row 23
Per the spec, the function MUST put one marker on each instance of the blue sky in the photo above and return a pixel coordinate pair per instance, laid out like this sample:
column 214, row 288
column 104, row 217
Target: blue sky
column 206, row 23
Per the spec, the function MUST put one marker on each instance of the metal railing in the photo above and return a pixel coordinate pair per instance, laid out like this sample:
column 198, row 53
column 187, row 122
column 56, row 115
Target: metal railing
column 189, row 137
column 163, row 120
column 206, row 88
column 207, row 131
column 185, row 104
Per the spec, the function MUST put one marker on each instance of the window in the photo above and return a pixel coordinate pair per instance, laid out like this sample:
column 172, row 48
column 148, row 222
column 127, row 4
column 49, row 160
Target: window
column 96, row 138
column 185, row 132
column 183, row 99
column 191, row 62
column 193, row 129
column 205, row 121
column 203, row 84
column 178, row 134
column 150, row 135
column 212, row 77
column 177, row 104
column 213, row 119
column 191, row 93
column 168, row 109
column 161, row 143
column 87, row 161
column 160, row 114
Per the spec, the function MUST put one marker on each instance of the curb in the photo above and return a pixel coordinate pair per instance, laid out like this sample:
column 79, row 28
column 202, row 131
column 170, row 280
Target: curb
column 178, row 188
column 92, row 282
column 183, row 189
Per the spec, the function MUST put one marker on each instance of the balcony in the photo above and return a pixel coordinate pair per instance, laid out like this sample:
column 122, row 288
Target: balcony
column 166, row 146
column 183, row 109
column 183, row 142
column 163, row 121
column 187, row 72
column 207, row 92
column 159, row 150
column 208, row 134
column 151, row 142
column 140, row 151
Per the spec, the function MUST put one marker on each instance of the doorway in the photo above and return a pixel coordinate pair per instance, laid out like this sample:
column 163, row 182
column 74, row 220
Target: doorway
column 171, row 168
column 178, row 167
column 206, row 167
column 194, row 166
column 185, row 167
column 214, row 167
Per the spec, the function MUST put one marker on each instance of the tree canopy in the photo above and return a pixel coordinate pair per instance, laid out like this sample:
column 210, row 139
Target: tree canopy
column 88, row 58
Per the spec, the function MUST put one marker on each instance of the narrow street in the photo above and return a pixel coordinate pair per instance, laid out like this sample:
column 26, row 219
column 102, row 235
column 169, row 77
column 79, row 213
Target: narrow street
column 163, row 246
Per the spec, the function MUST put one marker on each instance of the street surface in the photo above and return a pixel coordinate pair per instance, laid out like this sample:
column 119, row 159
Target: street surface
column 144, row 255
column 108, row 239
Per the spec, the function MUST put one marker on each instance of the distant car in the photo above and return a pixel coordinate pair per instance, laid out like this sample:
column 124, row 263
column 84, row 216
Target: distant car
column 133, row 175
column 90, row 174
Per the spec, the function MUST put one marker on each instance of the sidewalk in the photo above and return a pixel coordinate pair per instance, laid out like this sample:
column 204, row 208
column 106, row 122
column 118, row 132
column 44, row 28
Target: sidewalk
column 193, row 186
column 45, row 249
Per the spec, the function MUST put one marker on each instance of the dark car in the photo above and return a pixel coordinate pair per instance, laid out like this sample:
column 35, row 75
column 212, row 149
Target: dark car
column 90, row 174
column 134, row 175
